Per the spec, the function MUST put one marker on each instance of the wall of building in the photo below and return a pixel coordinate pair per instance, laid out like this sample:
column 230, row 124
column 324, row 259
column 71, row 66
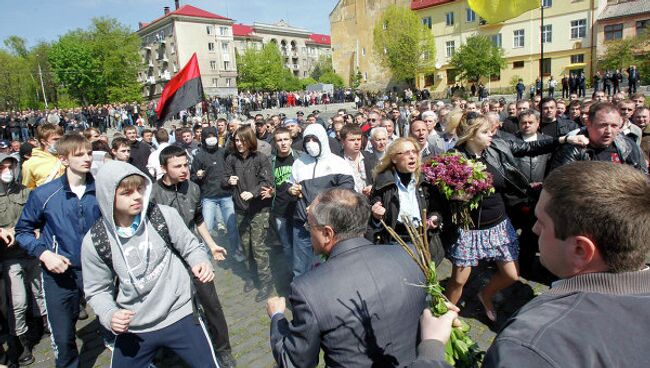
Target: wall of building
column 352, row 23
column 218, row 66
column 560, row 50
column 629, row 29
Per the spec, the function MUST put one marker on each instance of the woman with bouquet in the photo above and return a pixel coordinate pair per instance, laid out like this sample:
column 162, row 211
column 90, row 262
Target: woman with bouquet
column 399, row 192
column 491, row 235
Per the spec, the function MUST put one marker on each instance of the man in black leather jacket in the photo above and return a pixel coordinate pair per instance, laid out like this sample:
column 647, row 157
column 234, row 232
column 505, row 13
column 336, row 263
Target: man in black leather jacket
column 550, row 124
column 605, row 142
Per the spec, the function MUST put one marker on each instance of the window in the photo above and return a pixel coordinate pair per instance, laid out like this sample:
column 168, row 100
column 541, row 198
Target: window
column 214, row 82
column 517, row 64
column 224, row 47
column 576, row 59
column 223, row 31
column 547, row 33
column 451, row 48
column 213, row 64
column 614, row 32
column 211, row 46
column 519, row 38
column 470, row 16
column 496, row 40
column 451, row 76
column 365, row 76
column 385, row 26
column 228, row 82
column 547, row 3
column 578, row 28
column 546, row 67
column 495, row 77
column 427, row 22
column 209, row 29
column 642, row 26
column 226, row 65
column 449, row 19
column 363, row 51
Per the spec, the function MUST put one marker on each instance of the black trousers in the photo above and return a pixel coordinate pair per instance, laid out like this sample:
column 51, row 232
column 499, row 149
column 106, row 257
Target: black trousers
column 217, row 326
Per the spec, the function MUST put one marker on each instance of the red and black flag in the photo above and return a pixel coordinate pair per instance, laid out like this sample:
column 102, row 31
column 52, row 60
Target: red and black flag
column 182, row 91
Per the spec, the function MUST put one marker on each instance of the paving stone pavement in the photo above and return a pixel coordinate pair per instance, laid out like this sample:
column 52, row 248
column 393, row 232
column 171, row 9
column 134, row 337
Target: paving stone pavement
column 249, row 324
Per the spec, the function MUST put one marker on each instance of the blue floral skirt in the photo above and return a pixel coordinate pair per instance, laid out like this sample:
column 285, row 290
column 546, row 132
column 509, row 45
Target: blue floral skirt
column 497, row 243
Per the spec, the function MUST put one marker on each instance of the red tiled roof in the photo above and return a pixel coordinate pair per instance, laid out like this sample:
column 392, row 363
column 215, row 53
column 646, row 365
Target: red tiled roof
column 242, row 30
column 320, row 39
column 421, row 4
column 188, row 11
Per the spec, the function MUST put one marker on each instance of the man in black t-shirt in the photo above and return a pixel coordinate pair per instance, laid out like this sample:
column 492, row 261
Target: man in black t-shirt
column 283, row 203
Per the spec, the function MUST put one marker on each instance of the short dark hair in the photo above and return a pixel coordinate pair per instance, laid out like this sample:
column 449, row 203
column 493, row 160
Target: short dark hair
column 614, row 214
column 546, row 100
column 350, row 129
column 146, row 130
column 281, row 130
column 601, row 106
column 120, row 141
column 161, row 135
column 345, row 210
column 170, row 152
column 129, row 127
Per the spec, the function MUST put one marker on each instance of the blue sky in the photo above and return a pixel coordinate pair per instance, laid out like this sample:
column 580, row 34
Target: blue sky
column 45, row 20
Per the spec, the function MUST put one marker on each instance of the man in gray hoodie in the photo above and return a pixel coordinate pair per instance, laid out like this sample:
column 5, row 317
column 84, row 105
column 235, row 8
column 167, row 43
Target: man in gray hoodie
column 151, row 307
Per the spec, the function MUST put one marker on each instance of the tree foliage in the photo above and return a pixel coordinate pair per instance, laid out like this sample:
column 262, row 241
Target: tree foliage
column 620, row 54
column 98, row 65
column 478, row 57
column 403, row 44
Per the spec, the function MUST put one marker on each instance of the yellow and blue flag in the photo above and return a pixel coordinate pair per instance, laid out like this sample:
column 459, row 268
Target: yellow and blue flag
column 495, row 11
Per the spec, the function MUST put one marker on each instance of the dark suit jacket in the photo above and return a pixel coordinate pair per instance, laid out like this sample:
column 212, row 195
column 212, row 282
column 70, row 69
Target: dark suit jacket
column 360, row 307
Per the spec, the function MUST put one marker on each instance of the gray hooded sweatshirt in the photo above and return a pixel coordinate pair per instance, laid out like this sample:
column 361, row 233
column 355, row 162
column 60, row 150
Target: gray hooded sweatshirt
column 153, row 282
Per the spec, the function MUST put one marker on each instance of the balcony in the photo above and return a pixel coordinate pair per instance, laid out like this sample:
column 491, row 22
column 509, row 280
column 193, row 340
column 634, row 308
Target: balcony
column 150, row 65
column 151, row 80
column 166, row 75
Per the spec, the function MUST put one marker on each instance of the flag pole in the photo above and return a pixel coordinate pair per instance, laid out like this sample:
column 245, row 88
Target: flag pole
column 541, row 57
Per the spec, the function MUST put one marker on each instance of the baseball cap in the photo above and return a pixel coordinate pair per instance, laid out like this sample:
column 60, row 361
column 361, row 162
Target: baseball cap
column 315, row 112
column 300, row 113
column 4, row 144
column 288, row 122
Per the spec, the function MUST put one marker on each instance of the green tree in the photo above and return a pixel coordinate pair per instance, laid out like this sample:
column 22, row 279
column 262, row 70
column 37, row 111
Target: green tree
column 322, row 66
column 264, row 70
column 98, row 65
column 355, row 79
column 332, row 78
column 621, row 54
column 478, row 57
column 306, row 82
column 403, row 44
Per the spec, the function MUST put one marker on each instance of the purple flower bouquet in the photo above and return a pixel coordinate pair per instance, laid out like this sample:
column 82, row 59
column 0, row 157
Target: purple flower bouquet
column 464, row 182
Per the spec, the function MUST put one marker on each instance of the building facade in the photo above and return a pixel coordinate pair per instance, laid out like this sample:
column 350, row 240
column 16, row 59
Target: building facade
column 300, row 48
column 568, row 37
column 622, row 19
column 169, row 42
column 352, row 23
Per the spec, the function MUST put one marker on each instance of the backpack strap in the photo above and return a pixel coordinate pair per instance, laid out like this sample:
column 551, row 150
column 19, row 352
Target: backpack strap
column 102, row 245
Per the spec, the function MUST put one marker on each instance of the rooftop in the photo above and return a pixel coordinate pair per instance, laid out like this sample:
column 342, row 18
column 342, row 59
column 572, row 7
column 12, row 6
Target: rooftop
column 422, row 4
column 187, row 11
column 625, row 9
column 244, row 30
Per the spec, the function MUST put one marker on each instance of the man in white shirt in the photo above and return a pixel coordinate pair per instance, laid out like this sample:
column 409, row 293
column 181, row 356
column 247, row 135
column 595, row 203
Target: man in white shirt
column 153, row 163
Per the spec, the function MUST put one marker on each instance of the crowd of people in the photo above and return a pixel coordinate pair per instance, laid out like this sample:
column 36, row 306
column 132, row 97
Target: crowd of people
column 128, row 225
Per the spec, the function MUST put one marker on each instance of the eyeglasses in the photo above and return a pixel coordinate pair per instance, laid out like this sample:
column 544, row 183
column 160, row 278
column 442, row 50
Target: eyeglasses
column 373, row 119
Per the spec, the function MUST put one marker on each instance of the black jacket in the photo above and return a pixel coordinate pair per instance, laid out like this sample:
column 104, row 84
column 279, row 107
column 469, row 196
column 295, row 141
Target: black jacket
column 533, row 167
column 212, row 161
column 184, row 197
column 254, row 172
column 627, row 150
column 385, row 191
column 558, row 128
column 140, row 151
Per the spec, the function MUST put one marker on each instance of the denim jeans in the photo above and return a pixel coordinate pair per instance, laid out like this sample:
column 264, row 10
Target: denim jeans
column 223, row 206
column 303, row 254
column 284, row 228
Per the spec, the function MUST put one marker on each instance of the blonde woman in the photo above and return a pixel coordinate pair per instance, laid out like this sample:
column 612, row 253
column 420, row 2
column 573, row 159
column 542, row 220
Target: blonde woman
column 493, row 236
column 399, row 192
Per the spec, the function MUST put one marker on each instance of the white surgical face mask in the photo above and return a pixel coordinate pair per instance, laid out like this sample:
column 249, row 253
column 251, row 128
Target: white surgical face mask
column 51, row 148
column 7, row 176
column 211, row 141
column 313, row 149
